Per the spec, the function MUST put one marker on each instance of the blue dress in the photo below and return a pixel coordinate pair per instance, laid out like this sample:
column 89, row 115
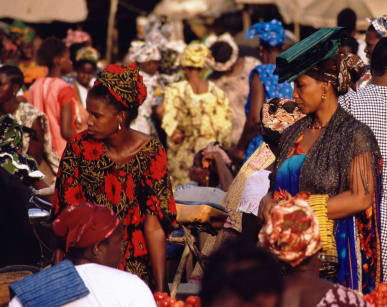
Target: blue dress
column 272, row 89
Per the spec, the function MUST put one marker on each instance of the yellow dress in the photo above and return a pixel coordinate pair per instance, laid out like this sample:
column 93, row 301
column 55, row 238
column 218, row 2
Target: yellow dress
column 203, row 118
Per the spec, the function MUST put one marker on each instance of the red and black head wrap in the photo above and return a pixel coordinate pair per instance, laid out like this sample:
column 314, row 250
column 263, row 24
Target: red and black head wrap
column 124, row 83
column 85, row 224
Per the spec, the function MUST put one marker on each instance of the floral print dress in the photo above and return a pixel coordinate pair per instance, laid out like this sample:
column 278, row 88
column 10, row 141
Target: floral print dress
column 132, row 190
column 203, row 118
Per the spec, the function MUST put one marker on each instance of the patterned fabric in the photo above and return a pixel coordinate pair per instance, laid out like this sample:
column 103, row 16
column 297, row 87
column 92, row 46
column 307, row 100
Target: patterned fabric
column 196, row 55
column 132, row 190
column 271, row 32
column 378, row 297
column 291, row 231
column 322, row 174
column 236, row 88
column 340, row 296
column 20, row 33
column 25, row 115
column 144, row 122
column 84, row 224
column 145, row 52
column 124, row 83
column 203, row 118
column 337, row 71
column 380, row 25
column 11, row 144
column 272, row 89
column 368, row 105
column 88, row 54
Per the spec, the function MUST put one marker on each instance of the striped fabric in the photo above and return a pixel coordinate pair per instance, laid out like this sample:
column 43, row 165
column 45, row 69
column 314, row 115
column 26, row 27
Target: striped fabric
column 56, row 286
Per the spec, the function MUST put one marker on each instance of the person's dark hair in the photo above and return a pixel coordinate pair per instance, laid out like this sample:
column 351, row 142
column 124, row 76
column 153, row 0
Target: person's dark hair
column 50, row 48
column 14, row 73
column 79, row 64
column 347, row 19
column 241, row 268
column 372, row 28
column 74, row 49
column 100, row 91
column 379, row 58
column 221, row 51
column 351, row 43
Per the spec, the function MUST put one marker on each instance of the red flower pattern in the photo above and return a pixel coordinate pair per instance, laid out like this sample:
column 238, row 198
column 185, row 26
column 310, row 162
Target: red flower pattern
column 158, row 170
column 113, row 189
column 92, row 150
column 139, row 244
column 74, row 195
column 130, row 188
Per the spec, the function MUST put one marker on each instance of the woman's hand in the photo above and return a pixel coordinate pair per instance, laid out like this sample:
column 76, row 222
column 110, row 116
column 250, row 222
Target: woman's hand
column 238, row 154
column 265, row 206
column 177, row 137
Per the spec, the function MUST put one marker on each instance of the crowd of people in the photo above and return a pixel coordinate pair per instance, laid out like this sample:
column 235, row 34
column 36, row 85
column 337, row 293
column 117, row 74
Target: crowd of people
column 295, row 135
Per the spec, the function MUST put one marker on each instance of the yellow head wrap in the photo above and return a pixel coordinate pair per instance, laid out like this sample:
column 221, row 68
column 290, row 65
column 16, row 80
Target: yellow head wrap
column 195, row 55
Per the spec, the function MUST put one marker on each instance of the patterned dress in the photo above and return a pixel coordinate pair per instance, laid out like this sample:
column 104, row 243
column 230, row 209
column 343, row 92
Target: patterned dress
column 203, row 118
column 132, row 190
column 272, row 89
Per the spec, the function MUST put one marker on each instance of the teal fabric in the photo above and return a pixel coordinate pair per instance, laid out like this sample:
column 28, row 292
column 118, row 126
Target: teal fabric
column 301, row 57
column 289, row 173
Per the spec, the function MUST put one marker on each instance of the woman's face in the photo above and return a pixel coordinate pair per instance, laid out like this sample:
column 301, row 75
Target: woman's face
column 112, row 249
column 150, row 67
column 85, row 73
column 7, row 89
column 103, row 118
column 307, row 94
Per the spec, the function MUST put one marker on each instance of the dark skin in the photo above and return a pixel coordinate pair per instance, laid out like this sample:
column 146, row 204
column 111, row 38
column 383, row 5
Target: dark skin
column 62, row 65
column 257, row 99
column 110, row 126
column 303, row 287
column 307, row 93
column 372, row 38
column 85, row 73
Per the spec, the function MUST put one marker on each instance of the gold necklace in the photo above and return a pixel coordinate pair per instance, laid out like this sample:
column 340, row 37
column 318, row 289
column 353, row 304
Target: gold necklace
column 317, row 126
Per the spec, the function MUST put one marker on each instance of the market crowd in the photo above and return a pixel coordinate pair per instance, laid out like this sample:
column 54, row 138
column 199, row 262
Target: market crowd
column 295, row 136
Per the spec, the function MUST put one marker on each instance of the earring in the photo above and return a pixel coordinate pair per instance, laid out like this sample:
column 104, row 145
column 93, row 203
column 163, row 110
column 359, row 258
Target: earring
column 119, row 126
column 324, row 94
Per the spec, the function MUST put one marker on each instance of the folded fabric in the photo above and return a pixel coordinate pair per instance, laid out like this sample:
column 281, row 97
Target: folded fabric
column 301, row 57
column 56, row 286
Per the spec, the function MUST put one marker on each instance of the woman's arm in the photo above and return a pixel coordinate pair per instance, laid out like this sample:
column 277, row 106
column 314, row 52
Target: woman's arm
column 359, row 197
column 35, row 148
column 251, row 127
column 66, row 121
column 224, row 174
column 156, row 242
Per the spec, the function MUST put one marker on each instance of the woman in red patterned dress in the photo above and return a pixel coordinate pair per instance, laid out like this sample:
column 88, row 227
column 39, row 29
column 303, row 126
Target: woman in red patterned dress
column 123, row 169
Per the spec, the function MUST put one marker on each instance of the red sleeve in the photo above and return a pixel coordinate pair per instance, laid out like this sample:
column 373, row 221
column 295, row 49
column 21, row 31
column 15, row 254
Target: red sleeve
column 66, row 95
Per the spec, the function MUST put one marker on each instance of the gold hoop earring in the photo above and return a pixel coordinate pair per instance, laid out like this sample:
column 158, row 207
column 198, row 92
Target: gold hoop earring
column 119, row 126
column 324, row 94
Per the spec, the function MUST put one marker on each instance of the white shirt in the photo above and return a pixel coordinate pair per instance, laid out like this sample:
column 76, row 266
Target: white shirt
column 108, row 287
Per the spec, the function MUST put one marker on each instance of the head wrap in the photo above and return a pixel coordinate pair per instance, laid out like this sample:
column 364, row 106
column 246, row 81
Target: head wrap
column 280, row 113
column 124, row 83
column 338, row 71
column 170, row 57
column 76, row 37
column 85, row 224
column 301, row 57
column 196, row 55
column 142, row 52
column 380, row 25
column 271, row 32
column 291, row 231
column 225, row 38
column 11, row 158
column 20, row 33
column 87, row 54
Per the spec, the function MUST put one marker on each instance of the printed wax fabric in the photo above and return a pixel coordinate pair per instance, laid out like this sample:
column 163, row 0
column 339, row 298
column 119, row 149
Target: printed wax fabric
column 326, row 170
column 342, row 297
column 272, row 89
column 11, row 157
column 203, row 118
column 133, row 189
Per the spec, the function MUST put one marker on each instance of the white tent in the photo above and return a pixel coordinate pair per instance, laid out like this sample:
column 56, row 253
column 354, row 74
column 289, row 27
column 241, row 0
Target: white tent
column 44, row 10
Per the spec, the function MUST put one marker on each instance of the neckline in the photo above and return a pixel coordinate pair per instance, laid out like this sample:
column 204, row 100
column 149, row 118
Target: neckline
column 196, row 94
